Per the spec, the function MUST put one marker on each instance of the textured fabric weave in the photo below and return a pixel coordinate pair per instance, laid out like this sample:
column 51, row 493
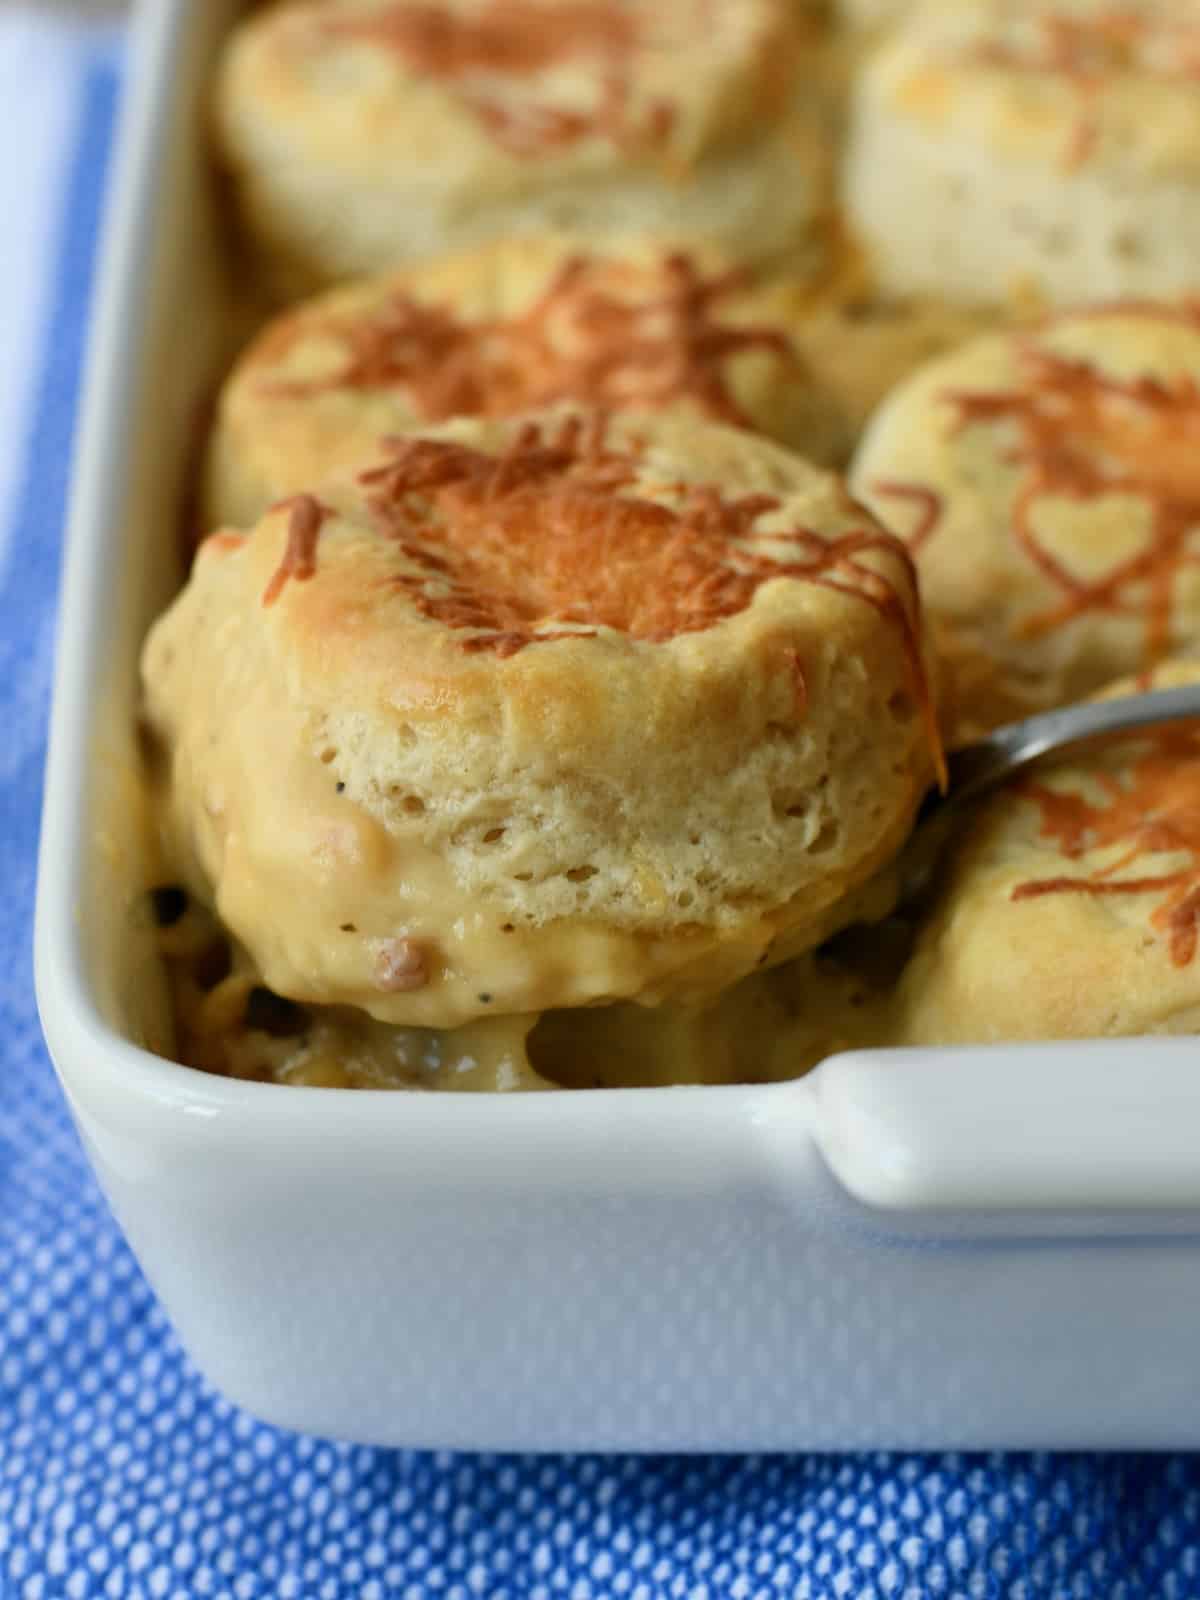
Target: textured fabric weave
column 122, row 1474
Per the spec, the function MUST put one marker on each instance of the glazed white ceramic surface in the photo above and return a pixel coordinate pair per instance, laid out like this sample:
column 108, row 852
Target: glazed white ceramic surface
column 973, row 1248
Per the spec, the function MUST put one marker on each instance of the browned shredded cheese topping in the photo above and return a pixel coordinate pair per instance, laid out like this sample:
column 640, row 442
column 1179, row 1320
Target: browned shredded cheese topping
column 1153, row 810
column 306, row 517
column 579, row 340
column 1083, row 435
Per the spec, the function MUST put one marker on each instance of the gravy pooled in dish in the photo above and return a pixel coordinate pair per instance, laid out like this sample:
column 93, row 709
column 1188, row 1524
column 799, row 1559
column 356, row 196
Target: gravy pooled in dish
column 775, row 1024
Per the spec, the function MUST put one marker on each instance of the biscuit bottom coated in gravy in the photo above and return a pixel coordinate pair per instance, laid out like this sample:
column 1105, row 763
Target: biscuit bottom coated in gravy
column 775, row 1024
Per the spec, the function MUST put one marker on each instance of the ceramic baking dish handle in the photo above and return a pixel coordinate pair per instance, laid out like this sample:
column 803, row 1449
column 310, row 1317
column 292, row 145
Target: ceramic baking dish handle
column 1111, row 1126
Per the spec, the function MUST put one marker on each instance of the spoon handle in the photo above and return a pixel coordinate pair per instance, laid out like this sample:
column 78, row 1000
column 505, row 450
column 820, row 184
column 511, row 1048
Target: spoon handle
column 978, row 767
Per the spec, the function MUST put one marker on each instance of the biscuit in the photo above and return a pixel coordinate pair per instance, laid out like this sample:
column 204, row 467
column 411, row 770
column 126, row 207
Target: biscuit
column 362, row 134
column 510, row 326
column 1071, row 910
column 1048, row 484
column 541, row 713
column 1053, row 145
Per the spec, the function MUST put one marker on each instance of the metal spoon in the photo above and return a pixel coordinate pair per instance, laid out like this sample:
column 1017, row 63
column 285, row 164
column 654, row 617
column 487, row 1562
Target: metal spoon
column 976, row 769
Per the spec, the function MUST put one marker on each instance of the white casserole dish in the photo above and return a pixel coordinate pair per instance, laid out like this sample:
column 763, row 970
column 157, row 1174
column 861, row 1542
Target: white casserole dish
column 948, row 1248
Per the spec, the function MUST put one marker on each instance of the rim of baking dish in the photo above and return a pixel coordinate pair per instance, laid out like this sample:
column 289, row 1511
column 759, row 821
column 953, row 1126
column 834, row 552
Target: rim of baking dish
column 1103, row 1126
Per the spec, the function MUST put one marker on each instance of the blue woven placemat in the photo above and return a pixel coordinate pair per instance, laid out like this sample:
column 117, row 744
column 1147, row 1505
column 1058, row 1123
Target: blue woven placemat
column 123, row 1474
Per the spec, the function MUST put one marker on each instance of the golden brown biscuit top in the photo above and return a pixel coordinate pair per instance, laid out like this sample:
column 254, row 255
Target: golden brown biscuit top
column 1079, row 433
column 562, row 533
column 604, row 332
column 537, row 76
column 1151, row 807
